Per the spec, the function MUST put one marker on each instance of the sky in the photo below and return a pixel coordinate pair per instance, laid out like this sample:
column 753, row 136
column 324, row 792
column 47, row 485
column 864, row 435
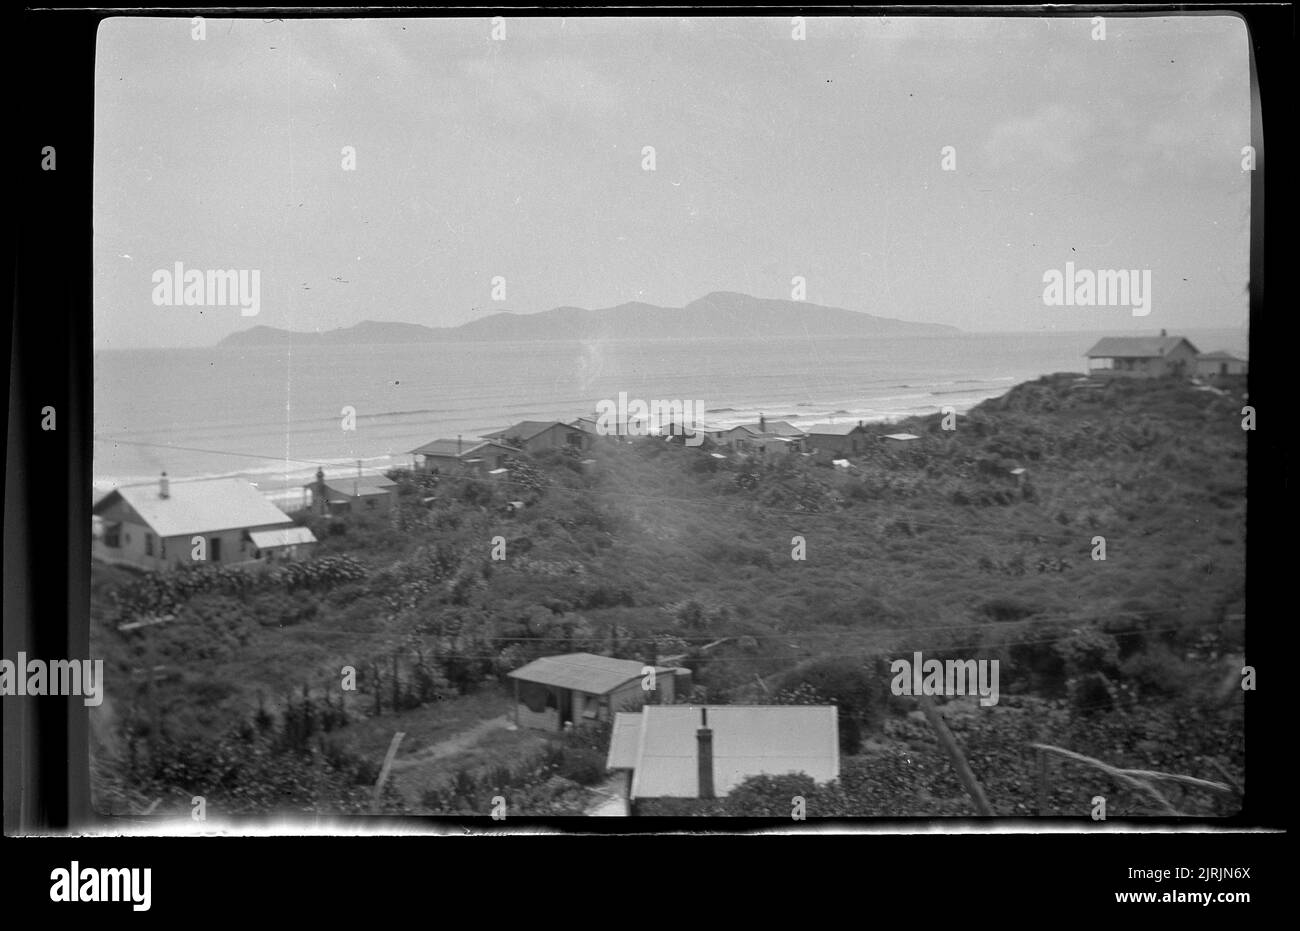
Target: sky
column 522, row 159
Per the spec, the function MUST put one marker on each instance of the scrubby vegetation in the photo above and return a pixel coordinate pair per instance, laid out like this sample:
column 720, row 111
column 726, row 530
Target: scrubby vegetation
column 659, row 550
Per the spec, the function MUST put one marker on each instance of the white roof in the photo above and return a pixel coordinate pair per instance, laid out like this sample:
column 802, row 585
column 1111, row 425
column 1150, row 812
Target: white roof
column 205, row 506
column 290, row 536
column 901, row 436
column 748, row 740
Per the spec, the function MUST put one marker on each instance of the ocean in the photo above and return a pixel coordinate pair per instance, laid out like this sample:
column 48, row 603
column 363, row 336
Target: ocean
column 274, row 415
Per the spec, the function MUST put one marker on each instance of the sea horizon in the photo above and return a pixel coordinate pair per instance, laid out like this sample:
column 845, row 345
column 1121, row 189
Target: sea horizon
column 289, row 416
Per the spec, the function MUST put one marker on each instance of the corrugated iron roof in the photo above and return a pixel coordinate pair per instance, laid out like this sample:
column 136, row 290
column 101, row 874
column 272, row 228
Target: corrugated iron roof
column 204, row 506
column 1135, row 347
column 901, row 436
column 748, row 740
column 624, row 740
column 585, row 672
column 290, row 536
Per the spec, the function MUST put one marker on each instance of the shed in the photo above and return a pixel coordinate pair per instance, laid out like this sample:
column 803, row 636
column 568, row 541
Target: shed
column 1220, row 363
column 574, row 687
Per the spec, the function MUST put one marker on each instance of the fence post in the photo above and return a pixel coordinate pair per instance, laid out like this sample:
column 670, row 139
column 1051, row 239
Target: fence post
column 383, row 771
column 954, row 753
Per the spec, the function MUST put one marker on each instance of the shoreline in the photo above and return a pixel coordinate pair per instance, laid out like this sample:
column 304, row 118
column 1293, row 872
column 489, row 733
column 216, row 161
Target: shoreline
column 281, row 481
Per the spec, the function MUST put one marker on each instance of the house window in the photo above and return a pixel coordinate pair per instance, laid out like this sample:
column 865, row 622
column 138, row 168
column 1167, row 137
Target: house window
column 113, row 535
column 214, row 549
column 371, row 504
column 148, row 544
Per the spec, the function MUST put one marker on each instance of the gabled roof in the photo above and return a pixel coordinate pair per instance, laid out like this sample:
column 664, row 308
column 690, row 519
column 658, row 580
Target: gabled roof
column 197, row 507
column 457, row 449
column 834, row 429
column 748, row 740
column 777, row 428
column 358, row 487
column 783, row 428
column 1220, row 355
column 527, row 429
column 585, row 672
column 1136, row 347
column 290, row 536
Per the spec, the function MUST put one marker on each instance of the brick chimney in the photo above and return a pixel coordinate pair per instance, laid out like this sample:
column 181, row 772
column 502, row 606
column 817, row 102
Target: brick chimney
column 704, row 744
column 164, row 487
column 762, row 423
column 458, row 444
column 319, row 498
column 1164, row 332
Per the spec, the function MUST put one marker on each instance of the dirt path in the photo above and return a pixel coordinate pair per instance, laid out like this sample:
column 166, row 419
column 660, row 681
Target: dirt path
column 408, row 771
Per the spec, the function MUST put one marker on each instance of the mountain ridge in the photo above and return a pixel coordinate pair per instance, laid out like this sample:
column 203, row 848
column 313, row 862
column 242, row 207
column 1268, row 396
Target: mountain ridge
column 717, row 314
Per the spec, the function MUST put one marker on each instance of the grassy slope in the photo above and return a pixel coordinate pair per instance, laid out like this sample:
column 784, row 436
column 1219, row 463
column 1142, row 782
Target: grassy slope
column 928, row 546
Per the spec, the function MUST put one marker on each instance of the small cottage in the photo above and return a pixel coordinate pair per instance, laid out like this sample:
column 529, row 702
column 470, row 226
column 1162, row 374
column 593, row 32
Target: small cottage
column 460, row 455
column 829, row 441
column 165, row 524
column 1141, row 357
column 350, row 495
column 535, row 436
column 1220, row 363
column 554, row 691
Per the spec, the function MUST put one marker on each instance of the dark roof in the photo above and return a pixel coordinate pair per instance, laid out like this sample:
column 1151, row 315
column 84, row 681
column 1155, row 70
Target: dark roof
column 1136, row 347
column 458, row 449
column 527, row 429
column 1219, row 354
column 783, row 428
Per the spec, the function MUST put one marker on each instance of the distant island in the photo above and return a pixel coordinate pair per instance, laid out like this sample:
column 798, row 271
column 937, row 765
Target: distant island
column 720, row 314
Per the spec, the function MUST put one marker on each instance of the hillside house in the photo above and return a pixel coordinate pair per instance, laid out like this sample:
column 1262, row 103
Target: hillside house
column 1142, row 357
column 685, row 751
column 764, row 437
column 350, row 495
column 460, row 455
column 829, row 441
column 557, row 690
column 535, row 436
column 155, row 526
column 1212, row 364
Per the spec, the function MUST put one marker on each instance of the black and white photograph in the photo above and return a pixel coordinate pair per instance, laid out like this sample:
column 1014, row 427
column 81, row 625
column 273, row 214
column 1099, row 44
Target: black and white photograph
column 602, row 421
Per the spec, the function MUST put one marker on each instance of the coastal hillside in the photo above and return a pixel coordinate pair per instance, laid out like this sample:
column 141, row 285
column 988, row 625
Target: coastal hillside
column 720, row 314
column 1090, row 537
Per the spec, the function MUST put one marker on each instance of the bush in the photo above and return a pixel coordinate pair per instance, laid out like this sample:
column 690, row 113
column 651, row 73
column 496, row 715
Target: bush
column 585, row 767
